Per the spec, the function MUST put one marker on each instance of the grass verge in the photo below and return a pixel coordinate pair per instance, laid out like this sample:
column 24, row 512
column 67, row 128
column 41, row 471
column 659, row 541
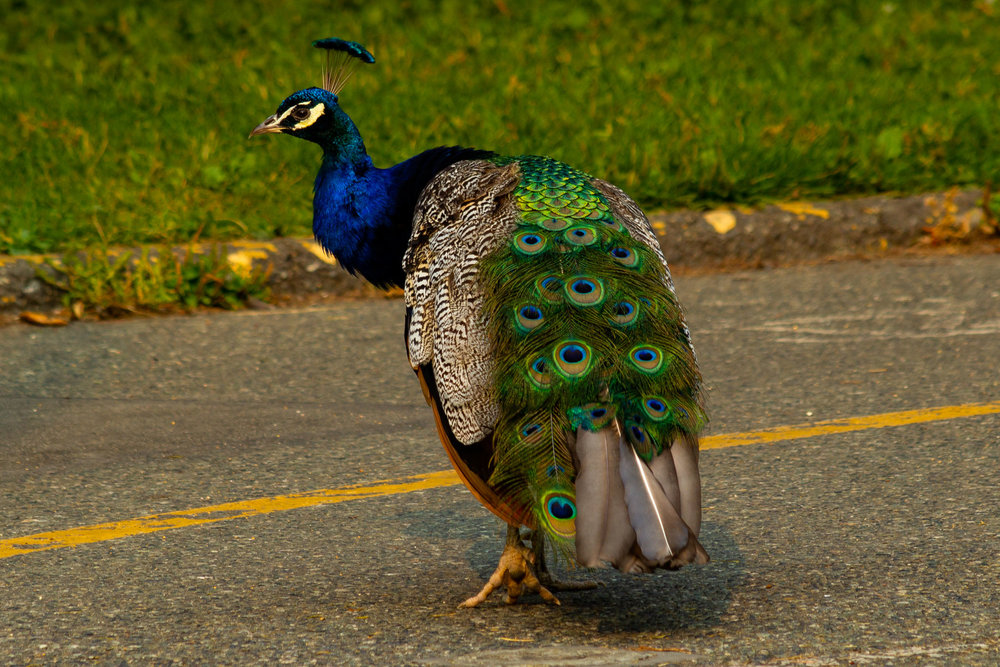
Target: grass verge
column 109, row 284
column 126, row 123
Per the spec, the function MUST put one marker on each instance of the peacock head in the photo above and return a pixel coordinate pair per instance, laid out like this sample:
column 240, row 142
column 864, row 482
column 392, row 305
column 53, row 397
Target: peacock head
column 314, row 114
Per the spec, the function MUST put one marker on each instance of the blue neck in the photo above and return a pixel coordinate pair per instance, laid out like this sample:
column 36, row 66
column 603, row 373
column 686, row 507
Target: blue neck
column 363, row 215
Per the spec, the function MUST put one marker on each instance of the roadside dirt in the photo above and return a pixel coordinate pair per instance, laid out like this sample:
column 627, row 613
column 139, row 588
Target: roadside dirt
column 694, row 242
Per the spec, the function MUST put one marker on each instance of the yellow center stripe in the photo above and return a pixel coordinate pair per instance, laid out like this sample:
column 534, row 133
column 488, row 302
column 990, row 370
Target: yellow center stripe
column 102, row 532
column 844, row 425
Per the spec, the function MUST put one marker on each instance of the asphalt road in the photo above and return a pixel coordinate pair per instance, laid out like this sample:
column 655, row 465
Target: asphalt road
column 874, row 546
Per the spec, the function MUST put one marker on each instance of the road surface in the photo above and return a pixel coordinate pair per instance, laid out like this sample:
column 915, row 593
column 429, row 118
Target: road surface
column 267, row 487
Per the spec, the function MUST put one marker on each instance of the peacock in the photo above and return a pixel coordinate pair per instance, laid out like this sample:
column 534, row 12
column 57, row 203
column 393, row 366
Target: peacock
column 543, row 326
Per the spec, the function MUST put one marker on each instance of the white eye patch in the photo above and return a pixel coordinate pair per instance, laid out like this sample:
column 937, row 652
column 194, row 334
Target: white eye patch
column 314, row 113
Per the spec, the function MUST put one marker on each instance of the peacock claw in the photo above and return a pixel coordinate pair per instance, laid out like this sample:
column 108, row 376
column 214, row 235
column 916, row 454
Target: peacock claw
column 545, row 577
column 554, row 584
column 515, row 573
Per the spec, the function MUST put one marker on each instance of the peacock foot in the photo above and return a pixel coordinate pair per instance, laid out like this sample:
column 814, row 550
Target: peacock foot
column 545, row 577
column 515, row 573
column 554, row 584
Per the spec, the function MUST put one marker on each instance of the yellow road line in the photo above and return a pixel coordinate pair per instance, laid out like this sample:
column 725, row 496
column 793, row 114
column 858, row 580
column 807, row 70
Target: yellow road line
column 72, row 537
column 832, row 426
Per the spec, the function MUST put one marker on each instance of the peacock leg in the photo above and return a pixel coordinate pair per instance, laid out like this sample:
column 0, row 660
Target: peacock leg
column 544, row 576
column 515, row 573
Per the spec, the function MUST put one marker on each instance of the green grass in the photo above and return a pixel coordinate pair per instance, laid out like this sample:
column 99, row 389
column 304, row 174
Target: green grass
column 158, row 279
column 125, row 124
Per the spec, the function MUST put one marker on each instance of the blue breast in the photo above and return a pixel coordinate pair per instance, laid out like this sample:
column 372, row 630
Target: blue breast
column 363, row 215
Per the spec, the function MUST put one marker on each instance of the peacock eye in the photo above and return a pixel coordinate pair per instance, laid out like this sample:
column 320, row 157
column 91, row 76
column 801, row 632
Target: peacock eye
column 300, row 113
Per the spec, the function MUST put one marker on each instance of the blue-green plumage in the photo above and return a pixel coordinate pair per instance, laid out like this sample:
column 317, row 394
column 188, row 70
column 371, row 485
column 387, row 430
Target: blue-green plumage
column 543, row 325
column 581, row 318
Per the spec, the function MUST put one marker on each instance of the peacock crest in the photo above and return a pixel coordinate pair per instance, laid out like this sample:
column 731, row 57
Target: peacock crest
column 586, row 331
column 342, row 57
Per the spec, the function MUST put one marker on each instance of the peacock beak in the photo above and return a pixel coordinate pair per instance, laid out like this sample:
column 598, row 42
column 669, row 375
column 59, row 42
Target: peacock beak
column 269, row 126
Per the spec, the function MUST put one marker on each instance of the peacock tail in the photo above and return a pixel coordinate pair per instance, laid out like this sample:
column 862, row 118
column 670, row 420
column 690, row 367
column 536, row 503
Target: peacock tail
column 585, row 331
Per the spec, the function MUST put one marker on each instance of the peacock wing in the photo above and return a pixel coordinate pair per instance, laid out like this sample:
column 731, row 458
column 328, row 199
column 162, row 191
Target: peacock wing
column 463, row 214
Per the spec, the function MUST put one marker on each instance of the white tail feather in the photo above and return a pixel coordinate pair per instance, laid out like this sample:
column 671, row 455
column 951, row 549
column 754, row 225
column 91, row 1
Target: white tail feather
column 660, row 531
column 662, row 467
column 684, row 453
column 603, row 532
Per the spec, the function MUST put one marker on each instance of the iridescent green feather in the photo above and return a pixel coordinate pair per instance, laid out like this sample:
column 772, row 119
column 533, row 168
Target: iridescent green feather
column 585, row 330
